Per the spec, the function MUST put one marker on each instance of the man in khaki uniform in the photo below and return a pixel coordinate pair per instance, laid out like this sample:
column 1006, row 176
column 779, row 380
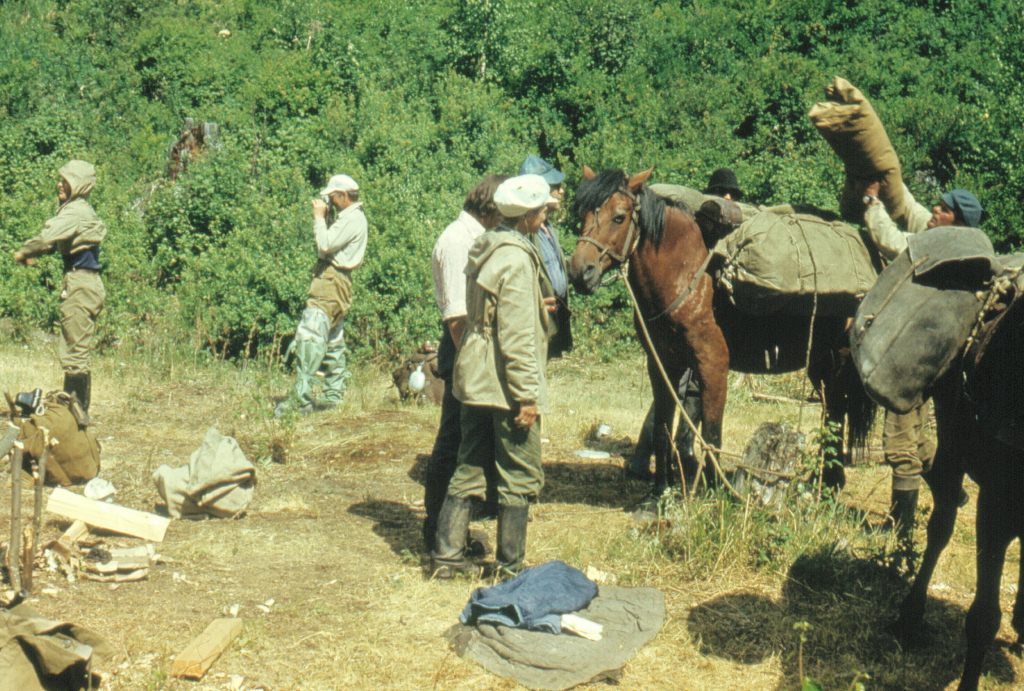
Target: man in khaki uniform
column 320, row 335
column 76, row 232
column 907, row 443
column 500, row 380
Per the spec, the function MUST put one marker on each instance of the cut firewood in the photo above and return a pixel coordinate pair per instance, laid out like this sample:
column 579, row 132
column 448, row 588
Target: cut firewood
column 112, row 517
column 199, row 655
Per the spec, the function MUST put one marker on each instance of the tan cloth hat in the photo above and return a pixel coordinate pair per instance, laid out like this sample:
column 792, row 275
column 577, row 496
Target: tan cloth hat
column 339, row 183
column 522, row 194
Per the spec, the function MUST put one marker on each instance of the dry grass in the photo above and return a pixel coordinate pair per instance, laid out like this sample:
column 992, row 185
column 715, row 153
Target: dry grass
column 333, row 536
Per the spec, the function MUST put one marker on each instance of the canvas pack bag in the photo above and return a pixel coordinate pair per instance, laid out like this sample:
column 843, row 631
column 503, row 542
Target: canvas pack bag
column 218, row 480
column 911, row 326
column 75, row 459
column 785, row 261
column 852, row 128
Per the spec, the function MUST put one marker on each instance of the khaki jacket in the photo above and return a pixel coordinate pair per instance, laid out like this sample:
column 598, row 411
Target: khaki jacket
column 503, row 354
column 76, row 226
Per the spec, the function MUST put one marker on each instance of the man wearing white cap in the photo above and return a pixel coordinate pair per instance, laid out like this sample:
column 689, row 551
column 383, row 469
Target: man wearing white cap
column 320, row 335
column 500, row 380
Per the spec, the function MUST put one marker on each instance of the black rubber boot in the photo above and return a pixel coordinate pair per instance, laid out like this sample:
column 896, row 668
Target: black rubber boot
column 449, row 556
column 80, row 385
column 511, row 539
column 902, row 513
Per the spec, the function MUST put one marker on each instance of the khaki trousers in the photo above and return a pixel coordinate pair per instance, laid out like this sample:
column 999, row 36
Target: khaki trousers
column 491, row 432
column 909, row 446
column 81, row 300
column 331, row 291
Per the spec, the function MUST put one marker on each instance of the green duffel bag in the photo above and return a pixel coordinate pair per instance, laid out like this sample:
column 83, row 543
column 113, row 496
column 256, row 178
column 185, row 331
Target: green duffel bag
column 782, row 260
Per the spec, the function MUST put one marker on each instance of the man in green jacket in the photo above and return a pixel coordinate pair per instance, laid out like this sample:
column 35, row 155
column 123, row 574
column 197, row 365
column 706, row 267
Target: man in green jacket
column 500, row 380
column 76, row 232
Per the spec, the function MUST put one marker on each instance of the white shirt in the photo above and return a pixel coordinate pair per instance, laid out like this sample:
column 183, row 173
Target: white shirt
column 344, row 243
column 451, row 253
column 888, row 237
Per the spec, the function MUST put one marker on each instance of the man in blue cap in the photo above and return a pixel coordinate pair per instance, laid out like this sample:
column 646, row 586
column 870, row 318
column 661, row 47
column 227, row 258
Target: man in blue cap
column 553, row 280
column 906, row 441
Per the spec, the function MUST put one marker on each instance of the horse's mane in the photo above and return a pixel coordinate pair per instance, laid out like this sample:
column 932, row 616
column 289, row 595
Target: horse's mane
column 593, row 193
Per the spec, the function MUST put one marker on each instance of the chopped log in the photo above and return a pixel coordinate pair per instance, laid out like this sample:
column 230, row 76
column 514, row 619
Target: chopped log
column 112, row 517
column 199, row 655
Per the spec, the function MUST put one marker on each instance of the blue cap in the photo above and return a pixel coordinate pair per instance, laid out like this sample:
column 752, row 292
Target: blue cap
column 535, row 165
column 964, row 205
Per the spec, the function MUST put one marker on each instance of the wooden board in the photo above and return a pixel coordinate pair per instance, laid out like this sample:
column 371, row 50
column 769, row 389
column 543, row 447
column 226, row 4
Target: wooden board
column 112, row 517
column 199, row 655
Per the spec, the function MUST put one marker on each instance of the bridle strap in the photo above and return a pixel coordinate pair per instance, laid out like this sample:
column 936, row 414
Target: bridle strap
column 632, row 234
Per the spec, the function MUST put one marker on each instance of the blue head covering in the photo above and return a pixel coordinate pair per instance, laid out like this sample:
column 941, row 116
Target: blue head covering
column 536, row 165
column 964, row 205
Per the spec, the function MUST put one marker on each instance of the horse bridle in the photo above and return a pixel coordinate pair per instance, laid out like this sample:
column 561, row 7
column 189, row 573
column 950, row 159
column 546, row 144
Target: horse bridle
column 632, row 233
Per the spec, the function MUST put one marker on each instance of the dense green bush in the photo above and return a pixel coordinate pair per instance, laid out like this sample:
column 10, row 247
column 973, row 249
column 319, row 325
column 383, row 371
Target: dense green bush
column 418, row 99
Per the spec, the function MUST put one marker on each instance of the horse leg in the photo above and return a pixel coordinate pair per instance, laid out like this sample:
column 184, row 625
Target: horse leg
column 664, row 411
column 945, row 479
column 1018, row 610
column 983, row 617
column 824, row 372
column 711, row 360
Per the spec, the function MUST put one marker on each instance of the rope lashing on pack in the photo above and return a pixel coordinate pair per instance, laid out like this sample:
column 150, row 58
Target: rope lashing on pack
column 706, row 450
column 998, row 289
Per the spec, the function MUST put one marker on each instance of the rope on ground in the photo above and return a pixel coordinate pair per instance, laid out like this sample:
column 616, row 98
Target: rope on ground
column 707, row 451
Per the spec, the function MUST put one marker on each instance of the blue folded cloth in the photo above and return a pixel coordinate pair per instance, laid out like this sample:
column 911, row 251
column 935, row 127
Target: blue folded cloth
column 535, row 599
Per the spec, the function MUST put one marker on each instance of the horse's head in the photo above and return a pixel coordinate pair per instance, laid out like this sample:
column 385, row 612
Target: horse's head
column 608, row 207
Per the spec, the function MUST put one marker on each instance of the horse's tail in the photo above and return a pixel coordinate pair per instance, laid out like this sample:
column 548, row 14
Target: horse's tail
column 860, row 410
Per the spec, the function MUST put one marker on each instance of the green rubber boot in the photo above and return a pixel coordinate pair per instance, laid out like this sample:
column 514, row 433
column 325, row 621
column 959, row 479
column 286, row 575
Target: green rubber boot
column 336, row 375
column 308, row 356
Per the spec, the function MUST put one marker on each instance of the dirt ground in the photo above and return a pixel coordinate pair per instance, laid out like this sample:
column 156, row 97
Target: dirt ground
column 333, row 539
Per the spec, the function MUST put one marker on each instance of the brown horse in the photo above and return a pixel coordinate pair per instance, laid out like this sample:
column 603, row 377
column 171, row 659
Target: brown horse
column 692, row 327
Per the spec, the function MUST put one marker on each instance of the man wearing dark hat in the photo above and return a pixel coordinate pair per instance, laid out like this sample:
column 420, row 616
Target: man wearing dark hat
column 723, row 183
column 554, row 283
column 907, row 443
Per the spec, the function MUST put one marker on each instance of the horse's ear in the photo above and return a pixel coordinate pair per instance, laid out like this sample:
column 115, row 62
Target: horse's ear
column 638, row 180
column 588, row 173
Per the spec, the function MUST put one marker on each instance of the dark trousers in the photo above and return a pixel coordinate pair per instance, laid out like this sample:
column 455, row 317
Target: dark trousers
column 445, row 454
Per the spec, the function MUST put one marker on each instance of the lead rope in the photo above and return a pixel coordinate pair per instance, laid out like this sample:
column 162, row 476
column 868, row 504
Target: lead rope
column 707, row 451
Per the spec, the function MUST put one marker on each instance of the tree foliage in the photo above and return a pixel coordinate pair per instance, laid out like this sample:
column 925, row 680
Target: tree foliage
column 417, row 99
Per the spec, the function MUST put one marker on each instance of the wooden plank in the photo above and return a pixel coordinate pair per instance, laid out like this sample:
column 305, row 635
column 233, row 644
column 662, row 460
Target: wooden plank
column 199, row 655
column 112, row 517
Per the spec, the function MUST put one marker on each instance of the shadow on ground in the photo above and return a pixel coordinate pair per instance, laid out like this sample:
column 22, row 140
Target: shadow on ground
column 593, row 484
column 849, row 604
column 400, row 525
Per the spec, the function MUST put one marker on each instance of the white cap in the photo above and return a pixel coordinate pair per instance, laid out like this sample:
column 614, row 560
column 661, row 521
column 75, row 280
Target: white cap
column 340, row 183
column 521, row 194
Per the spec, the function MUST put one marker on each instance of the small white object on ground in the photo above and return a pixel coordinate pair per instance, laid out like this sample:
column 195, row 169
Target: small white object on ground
column 584, row 628
column 592, row 453
column 99, row 489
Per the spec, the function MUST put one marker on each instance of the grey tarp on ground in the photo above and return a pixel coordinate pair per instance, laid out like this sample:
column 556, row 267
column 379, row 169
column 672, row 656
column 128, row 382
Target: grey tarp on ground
column 784, row 261
column 911, row 325
column 631, row 618
column 217, row 481
column 41, row 653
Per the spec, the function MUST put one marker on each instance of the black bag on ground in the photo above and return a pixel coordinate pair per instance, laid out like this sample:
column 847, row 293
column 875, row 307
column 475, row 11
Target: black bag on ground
column 915, row 320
